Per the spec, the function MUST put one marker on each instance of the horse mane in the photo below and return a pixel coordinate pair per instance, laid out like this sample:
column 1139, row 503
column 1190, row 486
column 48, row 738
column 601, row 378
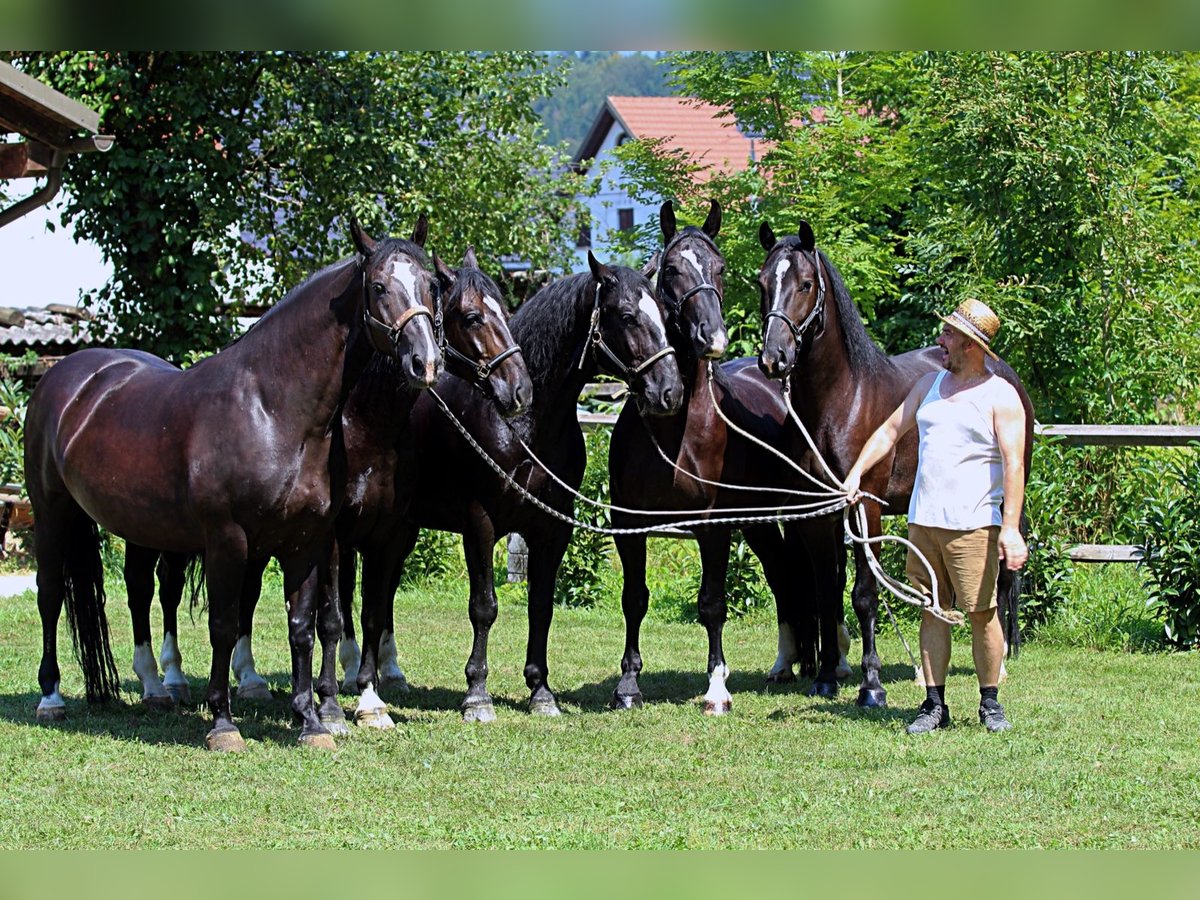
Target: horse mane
column 546, row 326
column 469, row 277
column 689, row 231
column 865, row 355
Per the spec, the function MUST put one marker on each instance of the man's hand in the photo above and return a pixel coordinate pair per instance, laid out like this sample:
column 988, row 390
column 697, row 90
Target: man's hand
column 1012, row 548
column 851, row 487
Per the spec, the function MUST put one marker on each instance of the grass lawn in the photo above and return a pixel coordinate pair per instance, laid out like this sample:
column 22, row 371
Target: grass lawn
column 1104, row 752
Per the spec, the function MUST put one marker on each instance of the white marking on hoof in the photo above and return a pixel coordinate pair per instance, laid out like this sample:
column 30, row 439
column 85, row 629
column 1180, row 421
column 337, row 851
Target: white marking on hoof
column 389, row 668
column 370, row 702
column 51, row 707
column 350, row 657
column 145, row 667
column 843, row 669
column 373, row 719
column 171, row 662
column 718, row 701
column 251, row 685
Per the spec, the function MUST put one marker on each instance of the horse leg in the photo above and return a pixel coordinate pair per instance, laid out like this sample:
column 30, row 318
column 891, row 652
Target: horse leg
column 139, row 588
column 172, row 578
column 49, row 536
column 714, row 560
column 329, row 630
column 371, row 711
column 766, row 542
column 865, row 598
column 349, row 654
column 545, row 556
column 826, row 553
column 225, row 567
column 301, row 590
column 251, row 685
column 390, row 673
column 478, row 540
column 635, row 600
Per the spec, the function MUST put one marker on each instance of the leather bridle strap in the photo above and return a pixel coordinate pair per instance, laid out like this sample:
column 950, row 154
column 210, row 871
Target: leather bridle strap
column 620, row 369
column 818, row 307
column 477, row 370
column 386, row 338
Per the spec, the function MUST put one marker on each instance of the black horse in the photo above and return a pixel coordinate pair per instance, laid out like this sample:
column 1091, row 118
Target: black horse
column 843, row 387
column 702, row 451
column 608, row 319
column 239, row 457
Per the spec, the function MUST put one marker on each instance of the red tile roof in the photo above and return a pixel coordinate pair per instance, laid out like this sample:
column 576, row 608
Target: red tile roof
column 705, row 133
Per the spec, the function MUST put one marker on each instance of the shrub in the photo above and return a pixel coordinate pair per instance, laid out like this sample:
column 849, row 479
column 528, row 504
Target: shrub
column 1170, row 526
column 436, row 554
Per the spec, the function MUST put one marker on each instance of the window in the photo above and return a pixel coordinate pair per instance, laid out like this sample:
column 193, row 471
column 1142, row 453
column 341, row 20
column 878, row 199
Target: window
column 585, row 235
column 625, row 219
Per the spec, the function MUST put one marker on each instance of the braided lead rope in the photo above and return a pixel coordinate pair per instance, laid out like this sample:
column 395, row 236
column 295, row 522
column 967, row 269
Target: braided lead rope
column 820, row 504
column 826, row 489
column 834, row 506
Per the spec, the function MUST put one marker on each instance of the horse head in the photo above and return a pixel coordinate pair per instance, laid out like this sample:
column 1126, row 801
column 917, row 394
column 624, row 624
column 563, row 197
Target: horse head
column 690, row 282
column 629, row 337
column 792, row 285
column 478, row 345
column 400, row 302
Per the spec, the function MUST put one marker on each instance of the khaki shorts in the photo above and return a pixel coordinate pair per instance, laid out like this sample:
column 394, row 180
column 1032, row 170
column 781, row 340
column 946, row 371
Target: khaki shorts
column 966, row 563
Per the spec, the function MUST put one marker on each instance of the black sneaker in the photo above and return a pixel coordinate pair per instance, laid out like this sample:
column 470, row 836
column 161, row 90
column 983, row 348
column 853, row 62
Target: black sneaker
column 929, row 717
column 991, row 716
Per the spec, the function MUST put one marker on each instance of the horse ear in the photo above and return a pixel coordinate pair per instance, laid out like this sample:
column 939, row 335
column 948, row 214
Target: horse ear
column 420, row 231
column 363, row 242
column 600, row 271
column 808, row 240
column 651, row 265
column 713, row 223
column 445, row 275
column 766, row 236
column 666, row 221
column 469, row 261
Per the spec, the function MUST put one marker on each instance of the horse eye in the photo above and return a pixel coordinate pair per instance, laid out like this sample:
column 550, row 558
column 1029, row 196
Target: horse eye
column 806, row 287
column 474, row 319
column 670, row 271
column 378, row 288
column 628, row 318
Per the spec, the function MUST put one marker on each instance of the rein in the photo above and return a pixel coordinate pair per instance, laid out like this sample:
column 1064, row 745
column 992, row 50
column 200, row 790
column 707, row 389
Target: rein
column 620, row 369
column 477, row 371
column 817, row 310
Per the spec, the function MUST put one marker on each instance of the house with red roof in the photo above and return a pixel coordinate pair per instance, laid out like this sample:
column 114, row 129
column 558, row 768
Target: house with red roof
column 707, row 135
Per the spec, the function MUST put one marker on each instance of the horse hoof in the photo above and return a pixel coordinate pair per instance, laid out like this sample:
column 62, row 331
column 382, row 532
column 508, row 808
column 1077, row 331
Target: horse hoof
column 484, row 712
column 373, row 718
column 823, row 689
column 547, row 708
column 783, row 676
column 717, row 707
column 872, row 698
column 350, row 688
column 227, row 741
column 180, row 693
column 164, row 703
column 842, row 672
column 627, row 701
column 318, row 741
column 335, row 723
column 254, row 690
column 51, row 713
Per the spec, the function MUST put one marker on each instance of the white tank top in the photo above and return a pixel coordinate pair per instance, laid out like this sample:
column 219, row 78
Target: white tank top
column 960, row 473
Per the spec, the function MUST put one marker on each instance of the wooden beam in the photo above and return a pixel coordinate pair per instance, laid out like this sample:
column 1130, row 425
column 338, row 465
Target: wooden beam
column 1122, row 435
column 1105, row 553
column 24, row 160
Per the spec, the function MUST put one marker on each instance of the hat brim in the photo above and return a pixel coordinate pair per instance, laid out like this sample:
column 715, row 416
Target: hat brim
column 959, row 328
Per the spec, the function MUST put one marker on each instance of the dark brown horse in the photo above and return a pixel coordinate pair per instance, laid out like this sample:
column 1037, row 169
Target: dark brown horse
column 479, row 350
column 239, row 457
column 608, row 320
column 699, row 443
column 843, row 387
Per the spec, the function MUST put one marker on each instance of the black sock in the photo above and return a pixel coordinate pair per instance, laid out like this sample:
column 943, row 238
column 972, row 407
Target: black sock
column 936, row 694
column 988, row 693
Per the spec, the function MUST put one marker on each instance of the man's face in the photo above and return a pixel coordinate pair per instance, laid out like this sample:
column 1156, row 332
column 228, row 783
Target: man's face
column 953, row 343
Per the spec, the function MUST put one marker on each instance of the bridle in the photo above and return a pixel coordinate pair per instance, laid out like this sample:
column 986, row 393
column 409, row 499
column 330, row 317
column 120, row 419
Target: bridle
column 602, row 352
column 817, row 312
column 386, row 338
column 675, row 305
column 476, row 371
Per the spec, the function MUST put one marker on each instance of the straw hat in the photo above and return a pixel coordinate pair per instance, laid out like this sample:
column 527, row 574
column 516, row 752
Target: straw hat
column 976, row 320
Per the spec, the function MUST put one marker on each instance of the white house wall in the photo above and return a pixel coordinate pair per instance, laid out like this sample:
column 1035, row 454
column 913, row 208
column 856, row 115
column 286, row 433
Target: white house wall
column 611, row 197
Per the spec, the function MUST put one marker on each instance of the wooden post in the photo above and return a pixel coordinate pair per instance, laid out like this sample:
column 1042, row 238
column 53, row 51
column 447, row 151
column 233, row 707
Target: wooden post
column 518, row 558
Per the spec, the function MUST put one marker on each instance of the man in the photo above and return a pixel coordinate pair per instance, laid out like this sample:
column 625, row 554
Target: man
column 966, row 501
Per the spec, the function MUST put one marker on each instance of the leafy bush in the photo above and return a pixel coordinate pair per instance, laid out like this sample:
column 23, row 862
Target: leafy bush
column 1170, row 526
column 436, row 554
column 12, row 444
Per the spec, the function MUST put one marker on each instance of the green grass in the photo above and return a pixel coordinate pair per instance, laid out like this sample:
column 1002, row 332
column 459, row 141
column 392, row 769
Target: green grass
column 1103, row 753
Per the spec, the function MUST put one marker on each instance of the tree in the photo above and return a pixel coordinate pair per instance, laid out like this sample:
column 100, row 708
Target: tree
column 281, row 147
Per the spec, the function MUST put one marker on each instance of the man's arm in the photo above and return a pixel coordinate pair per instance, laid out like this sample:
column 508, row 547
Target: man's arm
column 1009, row 422
column 886, row 436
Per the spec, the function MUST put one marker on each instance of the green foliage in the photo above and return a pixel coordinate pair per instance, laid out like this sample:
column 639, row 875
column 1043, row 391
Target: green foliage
column 284, row 146
column 746, row 587
column 581, row 577
column 12, row 438
column 1103, row 608
column 1171, row 529
column 436, row 554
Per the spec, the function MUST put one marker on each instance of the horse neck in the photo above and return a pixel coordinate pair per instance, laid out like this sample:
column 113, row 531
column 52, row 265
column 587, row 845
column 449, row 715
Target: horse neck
column 306, row 353
column 823, row 371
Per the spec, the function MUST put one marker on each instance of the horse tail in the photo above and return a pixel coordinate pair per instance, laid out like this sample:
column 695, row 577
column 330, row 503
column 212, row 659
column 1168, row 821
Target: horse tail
column 83, row 591
column 193, row 580
column 1009, row 600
